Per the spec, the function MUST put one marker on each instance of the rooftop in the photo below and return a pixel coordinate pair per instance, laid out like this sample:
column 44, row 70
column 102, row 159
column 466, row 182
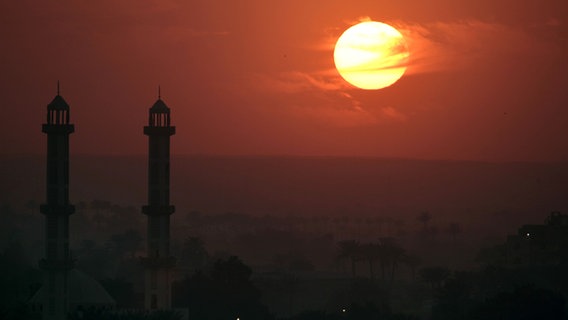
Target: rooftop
column 58, row 103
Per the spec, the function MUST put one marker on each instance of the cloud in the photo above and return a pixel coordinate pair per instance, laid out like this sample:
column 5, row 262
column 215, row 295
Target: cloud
column 459, row 46
column 452, row 46
column 322, row 97
column 456, row 45
column 337, row 109
column 298, row 81
column 392, row 113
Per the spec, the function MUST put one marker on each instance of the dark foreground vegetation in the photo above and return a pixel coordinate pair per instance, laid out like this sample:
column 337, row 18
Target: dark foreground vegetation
column 296, row 273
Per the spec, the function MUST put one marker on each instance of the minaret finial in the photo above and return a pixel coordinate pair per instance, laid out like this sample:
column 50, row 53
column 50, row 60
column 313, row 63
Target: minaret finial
column 57, row 87
column 159, row 93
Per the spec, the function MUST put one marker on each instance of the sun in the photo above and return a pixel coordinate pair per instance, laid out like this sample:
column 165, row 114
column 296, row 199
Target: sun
column 371, row 55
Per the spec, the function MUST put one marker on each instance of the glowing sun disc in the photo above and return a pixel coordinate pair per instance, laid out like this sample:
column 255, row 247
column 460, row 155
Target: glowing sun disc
column 371, row 55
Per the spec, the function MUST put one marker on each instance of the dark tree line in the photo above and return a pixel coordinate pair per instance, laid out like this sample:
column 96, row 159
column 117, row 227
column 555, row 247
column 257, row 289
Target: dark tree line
column 224, row 291
column 385, row 253
column 497, row 294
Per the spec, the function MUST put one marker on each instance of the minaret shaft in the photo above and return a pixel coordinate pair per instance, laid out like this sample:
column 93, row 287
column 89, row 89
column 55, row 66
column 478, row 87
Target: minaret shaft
column 57, row 261
column 159, row 195
column 159, row 170
column 158, row 262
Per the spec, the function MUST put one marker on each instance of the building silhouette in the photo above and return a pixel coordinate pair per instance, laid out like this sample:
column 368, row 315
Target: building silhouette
column 158, row 262
column 66, row 289
column 534, row 245
column 84, row 293
column 540, row 244
column 57, row 209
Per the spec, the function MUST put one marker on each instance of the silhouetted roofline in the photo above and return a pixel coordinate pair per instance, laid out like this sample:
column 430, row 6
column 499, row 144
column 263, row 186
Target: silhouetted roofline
column 160, row 107
column 58, row 103
column 83, row 291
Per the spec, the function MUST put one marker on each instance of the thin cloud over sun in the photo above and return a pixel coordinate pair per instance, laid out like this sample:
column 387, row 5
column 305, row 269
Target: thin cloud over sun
column 439, row 47
column 453, row 46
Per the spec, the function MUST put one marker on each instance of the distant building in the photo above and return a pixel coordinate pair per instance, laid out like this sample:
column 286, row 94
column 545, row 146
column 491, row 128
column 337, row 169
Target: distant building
column 158, row 261
column 534, row 245
column 84, row 292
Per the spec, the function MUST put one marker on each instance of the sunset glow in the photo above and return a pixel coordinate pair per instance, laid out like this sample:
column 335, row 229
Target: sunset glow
column 371, row 55
column 257, row 77
column 284, row 160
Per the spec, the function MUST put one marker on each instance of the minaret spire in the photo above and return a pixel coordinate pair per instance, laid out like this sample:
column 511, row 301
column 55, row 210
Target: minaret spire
column 57, row 87
column 159, row 92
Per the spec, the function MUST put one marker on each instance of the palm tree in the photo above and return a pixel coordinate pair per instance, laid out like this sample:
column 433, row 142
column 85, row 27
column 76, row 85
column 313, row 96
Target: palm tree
column 194, row 256
column 392, row 254
column 396, row 254
column 371, row 252
column 350, row 249
column 434, row 275
column 412, row 261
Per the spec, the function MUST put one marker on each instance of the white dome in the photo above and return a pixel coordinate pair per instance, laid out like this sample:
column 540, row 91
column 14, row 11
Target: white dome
column 83, row 291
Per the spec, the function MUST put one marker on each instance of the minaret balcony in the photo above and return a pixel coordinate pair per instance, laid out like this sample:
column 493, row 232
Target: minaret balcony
column 159, row 131
column 158, row 210
column 57, row 209
column 58, row 128
column 55, row 265
column 158, row 262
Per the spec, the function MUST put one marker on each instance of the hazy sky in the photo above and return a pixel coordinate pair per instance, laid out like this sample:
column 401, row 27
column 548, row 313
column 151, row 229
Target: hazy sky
column 487, row 80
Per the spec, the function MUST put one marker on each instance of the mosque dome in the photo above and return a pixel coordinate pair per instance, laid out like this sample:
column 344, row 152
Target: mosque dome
column 83, row 291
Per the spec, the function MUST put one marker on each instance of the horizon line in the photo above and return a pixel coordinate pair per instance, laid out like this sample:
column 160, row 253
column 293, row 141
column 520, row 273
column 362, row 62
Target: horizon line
column 298, row 156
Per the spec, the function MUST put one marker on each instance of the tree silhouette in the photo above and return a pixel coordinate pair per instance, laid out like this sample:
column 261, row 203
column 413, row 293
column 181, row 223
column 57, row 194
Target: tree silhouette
column 524, row 303
column 9, row 229
column 361, row 291
column 127, row 242
column 454, row 300
column 193, row 255
column 17, row 278
column 412, row 262
column 98, row 313
column 350, row 249
column 393, row 255
column 225, row 292
column 434, row 275
column 371, row 252
column 95, row 260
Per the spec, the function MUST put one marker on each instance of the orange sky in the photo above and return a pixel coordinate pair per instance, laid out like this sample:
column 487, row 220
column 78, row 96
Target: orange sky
column 487, row 80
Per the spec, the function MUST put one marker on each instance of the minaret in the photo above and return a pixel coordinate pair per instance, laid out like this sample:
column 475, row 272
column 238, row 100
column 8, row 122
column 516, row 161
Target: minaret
column 57, row 209
column 158, row 262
